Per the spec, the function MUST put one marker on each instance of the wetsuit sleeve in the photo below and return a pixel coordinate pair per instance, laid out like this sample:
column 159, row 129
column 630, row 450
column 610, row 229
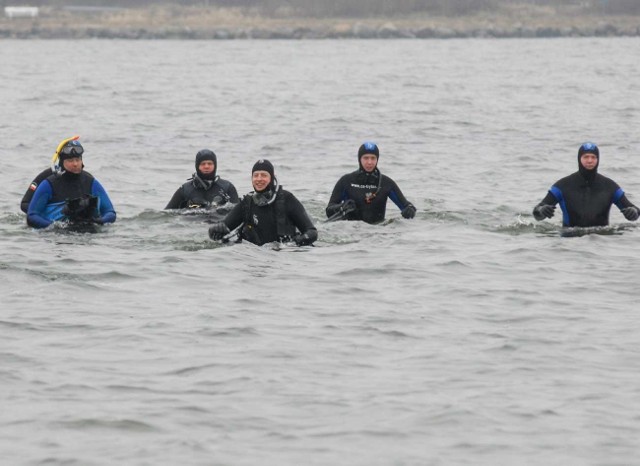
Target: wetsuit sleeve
column 236, row 216
column 26, row 199
column 298, row 215
column 549, row 199
column 620, row 200
column 396, row 195
column 36, row 214
column 107, row 212
column 177, row 201
column 338, row 195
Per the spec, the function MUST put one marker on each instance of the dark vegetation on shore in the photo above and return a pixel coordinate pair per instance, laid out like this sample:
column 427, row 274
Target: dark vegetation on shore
column 317, row 19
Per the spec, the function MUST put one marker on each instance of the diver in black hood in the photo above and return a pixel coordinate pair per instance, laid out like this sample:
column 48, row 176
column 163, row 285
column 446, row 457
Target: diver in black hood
column 204, row 188
column 585, row 196
column 362, row 195
column 268, row 214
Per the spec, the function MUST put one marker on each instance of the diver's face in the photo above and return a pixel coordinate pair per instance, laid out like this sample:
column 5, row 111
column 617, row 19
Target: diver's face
column 260, row 180
column 589, row 161
column 73, row 165
column 369, row 162
column 206, row 167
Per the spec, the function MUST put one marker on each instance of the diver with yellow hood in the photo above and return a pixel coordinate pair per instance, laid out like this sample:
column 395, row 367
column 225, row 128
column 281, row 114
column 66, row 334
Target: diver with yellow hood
column 69, row 193
column 44, row 174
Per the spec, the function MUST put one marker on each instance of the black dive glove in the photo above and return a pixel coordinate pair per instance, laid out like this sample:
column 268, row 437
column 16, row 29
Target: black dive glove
column 543, row 211
column 409, row 211
column 306, row 238
column 80, row 208
column 332, row 209
column 344, row 208
column 347, row 207
column 218, row 230
column 631, row 213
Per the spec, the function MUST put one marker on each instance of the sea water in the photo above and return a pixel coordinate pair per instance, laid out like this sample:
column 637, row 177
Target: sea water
column 470, row 335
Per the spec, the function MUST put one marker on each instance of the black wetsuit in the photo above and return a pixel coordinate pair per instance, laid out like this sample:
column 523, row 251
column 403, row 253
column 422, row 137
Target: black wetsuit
column 370, row 192
column 586, row 199
column 193, row 194
column 279, row 220
column 26, row 199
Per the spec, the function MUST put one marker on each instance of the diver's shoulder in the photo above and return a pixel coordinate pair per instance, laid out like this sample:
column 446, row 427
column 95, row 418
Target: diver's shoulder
column 386, row 179
column 43, row 175
column 285, row 194
column 572, row 178
column 349, row 176
column 224, row 183
column 605, row 179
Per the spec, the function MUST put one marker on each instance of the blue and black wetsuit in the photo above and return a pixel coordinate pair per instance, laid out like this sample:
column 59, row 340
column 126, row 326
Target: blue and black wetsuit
column 51, row 195
column 585, row 200
column 26, row 199
column 370, row 192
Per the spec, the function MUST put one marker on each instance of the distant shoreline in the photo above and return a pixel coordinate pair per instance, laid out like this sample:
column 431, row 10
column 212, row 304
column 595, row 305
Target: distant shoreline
column 357, row 31
column 229, row 24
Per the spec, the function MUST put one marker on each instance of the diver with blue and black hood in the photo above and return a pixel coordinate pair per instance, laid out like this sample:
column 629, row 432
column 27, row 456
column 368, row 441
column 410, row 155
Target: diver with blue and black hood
column 362, row 194
column 585, row 196
column 205, row 188
column 70, row 193
column 268, row 214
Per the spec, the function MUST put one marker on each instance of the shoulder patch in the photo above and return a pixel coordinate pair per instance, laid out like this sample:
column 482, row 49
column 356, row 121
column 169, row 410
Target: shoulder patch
column 33, row 186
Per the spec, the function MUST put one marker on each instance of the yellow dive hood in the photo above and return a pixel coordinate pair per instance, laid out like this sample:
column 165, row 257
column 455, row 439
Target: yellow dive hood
column 56, row 155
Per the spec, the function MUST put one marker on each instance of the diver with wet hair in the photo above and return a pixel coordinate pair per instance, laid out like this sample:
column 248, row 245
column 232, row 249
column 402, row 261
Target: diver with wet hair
column 362, row 194
column 585, row 196
column 205, row 188
column 43, row 175
column 268, row 214
column 70, row 193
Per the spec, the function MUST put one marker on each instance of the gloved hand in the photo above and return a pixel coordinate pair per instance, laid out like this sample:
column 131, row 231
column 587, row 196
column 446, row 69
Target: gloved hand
column 218, row 230
column 80, row 208
column 409, row 211
column 631, row 213
column 341, row 210
column 348, row 206
column 544, row 211
column 332, row 209
column 97, row 220
column 301, row 240
column 72, row 210
column 306, row 238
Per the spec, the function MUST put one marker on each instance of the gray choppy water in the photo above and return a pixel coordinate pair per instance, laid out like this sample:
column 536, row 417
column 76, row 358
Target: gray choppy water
column 471, row 335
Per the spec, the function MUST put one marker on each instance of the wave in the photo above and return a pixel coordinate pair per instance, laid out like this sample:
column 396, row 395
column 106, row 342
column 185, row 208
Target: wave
column 520, row 227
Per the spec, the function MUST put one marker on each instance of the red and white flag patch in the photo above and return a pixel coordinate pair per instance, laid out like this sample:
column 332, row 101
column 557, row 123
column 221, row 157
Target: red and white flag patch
column 33, row 186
